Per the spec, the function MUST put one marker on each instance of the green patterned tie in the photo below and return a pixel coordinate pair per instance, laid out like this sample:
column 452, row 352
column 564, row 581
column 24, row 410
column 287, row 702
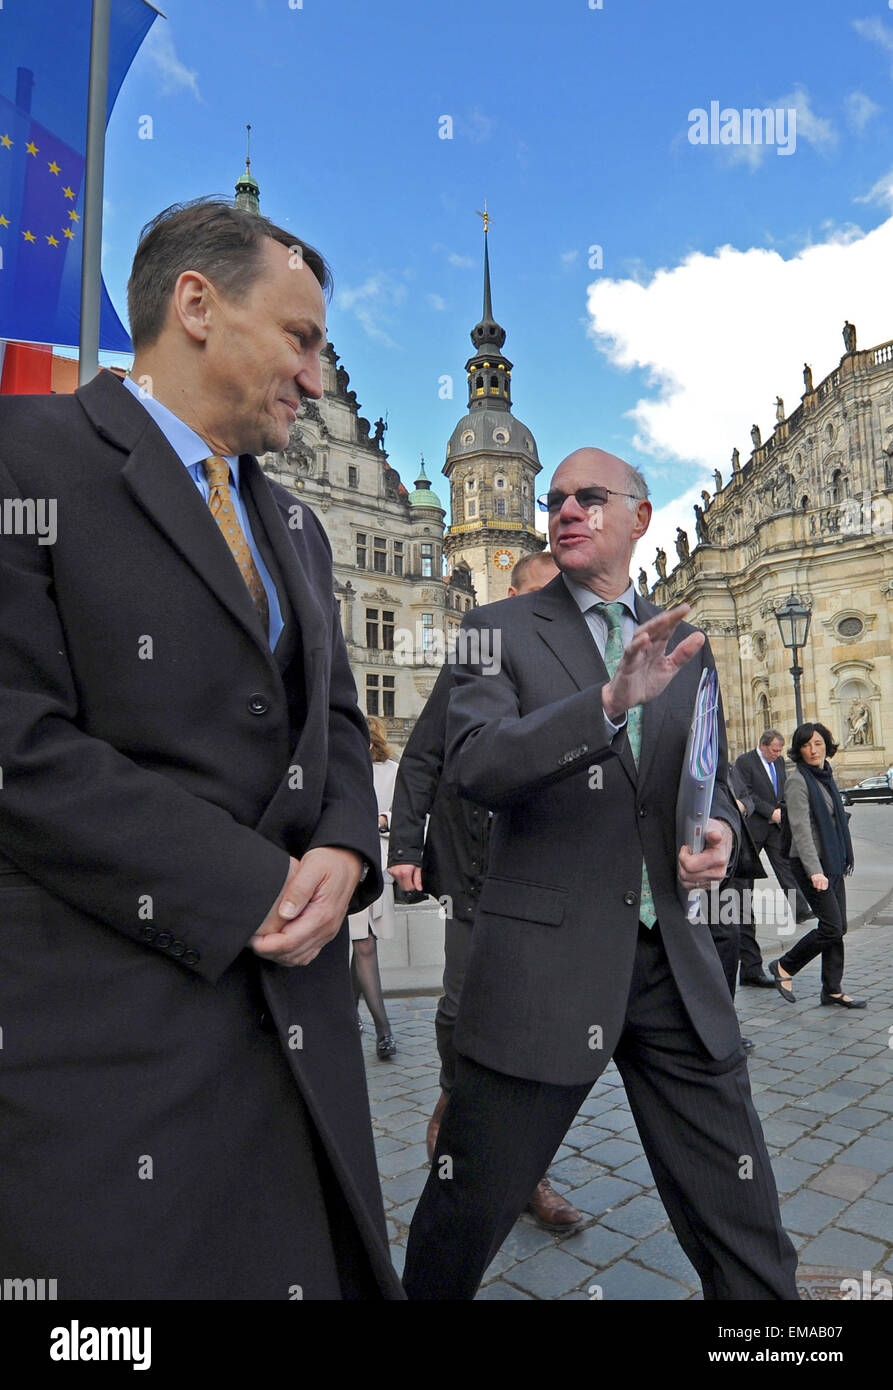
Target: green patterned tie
column 613, row 614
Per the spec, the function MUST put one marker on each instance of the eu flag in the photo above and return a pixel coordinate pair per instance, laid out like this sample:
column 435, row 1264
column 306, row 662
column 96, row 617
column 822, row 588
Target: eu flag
column 44, row 78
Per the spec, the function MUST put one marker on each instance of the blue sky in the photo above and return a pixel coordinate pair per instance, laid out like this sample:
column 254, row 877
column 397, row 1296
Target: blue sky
column 573, row 123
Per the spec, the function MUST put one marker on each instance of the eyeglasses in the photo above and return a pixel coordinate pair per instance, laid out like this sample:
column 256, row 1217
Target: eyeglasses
column 584, row 497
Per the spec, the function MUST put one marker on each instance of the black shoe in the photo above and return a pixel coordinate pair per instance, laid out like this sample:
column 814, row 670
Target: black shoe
column 786, row 994
column 757, row 981
column 748, row 1044
column 843, row 1003
column 385, row 1046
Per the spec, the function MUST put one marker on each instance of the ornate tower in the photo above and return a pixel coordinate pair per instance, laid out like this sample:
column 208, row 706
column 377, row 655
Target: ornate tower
column 247, row 189
column 491, row 464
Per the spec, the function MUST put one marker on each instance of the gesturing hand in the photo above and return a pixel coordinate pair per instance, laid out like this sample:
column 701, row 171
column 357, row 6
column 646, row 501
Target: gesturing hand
column 309, row 911
column 646, row 667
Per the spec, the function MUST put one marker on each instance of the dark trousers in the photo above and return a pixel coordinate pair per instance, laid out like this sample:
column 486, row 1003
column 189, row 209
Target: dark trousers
column 784, row 872
column 750, row 957
column 456, row 950
column 825, row 940
column 697, row 1123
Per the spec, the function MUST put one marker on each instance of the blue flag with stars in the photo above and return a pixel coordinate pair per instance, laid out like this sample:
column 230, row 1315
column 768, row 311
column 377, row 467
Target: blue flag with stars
column 44, row 81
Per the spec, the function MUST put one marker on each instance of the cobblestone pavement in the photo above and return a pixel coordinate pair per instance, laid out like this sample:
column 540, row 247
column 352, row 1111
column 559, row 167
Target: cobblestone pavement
column 822, row 1080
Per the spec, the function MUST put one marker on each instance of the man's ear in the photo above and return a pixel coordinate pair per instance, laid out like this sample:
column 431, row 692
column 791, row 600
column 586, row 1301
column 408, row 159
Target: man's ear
column 192, row 304
column 643, row 518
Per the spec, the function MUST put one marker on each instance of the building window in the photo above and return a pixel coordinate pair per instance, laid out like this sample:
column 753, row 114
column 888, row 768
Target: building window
column 361, row 550
column 500, row 506
column 372, row 694
column 398, row 558
column 427, row 631
column 353, row 475
column 372, row 628
column 387, row 630
column 494, row 383
column 380, row 555
column 427, row 560
column 471, row 507
column 387, row 697
column 500, row 482
column 470, row 484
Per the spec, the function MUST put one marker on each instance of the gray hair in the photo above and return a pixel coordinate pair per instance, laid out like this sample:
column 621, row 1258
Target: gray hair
column 636, row 484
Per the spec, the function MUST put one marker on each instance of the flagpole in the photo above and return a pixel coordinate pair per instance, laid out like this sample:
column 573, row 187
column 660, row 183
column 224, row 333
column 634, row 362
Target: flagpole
column 91, row 268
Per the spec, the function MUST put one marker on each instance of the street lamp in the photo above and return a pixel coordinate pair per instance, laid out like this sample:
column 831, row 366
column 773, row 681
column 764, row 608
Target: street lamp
column 793, row 624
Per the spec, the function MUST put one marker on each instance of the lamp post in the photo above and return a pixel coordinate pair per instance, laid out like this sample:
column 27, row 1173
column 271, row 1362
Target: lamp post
column 793, row 624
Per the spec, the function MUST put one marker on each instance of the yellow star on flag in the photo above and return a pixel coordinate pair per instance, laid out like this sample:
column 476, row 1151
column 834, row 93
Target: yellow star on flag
column 29, row 236
column 69, row 192
column 75, row 217
column 52, row 240
column 4, row 221
column 6, row 142
column 66, row 231
column 53, row 167
column 31, row 148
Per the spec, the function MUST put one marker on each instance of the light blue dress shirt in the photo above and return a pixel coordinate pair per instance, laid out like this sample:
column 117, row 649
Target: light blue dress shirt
column 598, row 624
column 192, row 450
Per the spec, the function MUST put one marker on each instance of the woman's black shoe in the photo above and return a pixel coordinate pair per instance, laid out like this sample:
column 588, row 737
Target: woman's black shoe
column 844, row 1003
column 786, row 994
column 385, row 1046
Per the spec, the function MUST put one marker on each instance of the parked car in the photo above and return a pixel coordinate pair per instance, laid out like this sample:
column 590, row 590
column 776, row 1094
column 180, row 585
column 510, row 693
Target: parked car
column 871, row 789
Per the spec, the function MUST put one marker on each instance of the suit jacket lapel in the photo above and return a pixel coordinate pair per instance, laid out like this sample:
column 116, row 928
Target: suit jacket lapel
column 164, row 490
column 313, row 623
column 654, row 711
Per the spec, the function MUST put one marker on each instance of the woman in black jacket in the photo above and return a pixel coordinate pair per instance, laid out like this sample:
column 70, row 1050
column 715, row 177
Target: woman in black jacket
column 821, row 855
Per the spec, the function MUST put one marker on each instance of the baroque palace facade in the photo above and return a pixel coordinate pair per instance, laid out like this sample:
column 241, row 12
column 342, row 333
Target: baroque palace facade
column 402, row 584
column 809, row 513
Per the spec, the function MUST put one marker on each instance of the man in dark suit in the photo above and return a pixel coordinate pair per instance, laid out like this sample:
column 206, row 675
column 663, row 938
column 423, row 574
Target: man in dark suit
column 449, row 861
column 187, row 812
column 762, row 770
column 581, row 948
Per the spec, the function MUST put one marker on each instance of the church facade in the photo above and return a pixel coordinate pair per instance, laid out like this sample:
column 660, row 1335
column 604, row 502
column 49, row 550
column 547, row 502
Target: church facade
column 809, row 513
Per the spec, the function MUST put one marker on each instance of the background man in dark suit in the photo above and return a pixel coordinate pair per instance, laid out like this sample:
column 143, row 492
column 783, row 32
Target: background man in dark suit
column 450, row 861
column 187, row 811
column 581, row 948
column 762, row 770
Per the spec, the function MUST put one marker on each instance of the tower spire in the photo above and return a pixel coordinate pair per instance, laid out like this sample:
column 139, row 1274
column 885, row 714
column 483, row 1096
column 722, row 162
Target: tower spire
column 489, row 372
column 247, row 190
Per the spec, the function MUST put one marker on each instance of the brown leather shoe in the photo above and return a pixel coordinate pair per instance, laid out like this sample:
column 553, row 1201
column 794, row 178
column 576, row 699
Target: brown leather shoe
column 434, row 1125
column 552, row 1212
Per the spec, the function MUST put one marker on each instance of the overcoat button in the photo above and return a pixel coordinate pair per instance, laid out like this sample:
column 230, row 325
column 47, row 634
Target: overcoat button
column 630, row 899
column 258, row 704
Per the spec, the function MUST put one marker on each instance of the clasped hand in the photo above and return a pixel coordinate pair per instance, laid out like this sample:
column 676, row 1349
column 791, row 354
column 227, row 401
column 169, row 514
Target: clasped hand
column 309, row 911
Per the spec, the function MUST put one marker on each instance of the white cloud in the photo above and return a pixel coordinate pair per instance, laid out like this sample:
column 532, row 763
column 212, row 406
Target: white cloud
column 860, row 109
column 879, row 192
column 720, row 336
column 807, row 126
column 876, row 32
column 372, row 303
column 159, row 46
column 454, row 258
column 816, row 130
column 437, row 302
column 569, row 257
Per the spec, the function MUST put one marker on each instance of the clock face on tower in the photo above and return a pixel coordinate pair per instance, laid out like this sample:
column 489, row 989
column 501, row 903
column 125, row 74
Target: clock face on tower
column 503, row 559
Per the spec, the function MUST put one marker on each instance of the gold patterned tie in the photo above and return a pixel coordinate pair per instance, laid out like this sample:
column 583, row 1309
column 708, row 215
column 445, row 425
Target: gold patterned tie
column 224, row 513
